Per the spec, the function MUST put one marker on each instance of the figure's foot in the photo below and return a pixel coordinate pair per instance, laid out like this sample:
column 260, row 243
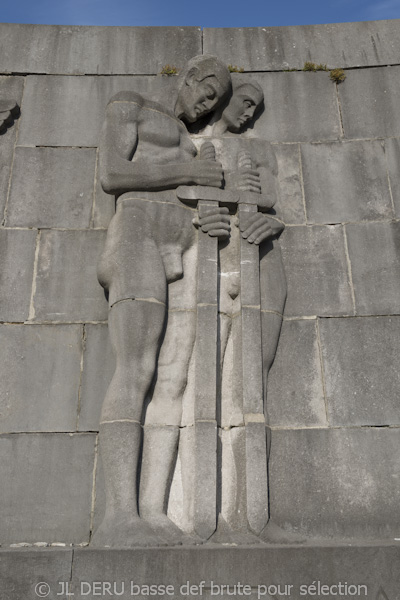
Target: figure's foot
column 165, row 528
column 125, row 533
column 226, row 535
column 274, row 534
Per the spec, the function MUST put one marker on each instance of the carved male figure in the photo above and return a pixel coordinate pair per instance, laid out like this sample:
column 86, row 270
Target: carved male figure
column 145, row 154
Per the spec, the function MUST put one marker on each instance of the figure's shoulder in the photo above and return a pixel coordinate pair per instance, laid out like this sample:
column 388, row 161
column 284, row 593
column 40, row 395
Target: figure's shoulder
column 127, row 97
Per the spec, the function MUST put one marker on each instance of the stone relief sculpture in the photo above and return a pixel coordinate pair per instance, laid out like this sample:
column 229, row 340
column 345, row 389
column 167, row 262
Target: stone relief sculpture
column 9, row 109
column 196, row 289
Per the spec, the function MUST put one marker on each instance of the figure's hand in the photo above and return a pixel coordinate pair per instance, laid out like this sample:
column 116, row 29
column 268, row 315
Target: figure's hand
column 216, row 222
column 257, row 227
column 245, row 180
column 206, row 172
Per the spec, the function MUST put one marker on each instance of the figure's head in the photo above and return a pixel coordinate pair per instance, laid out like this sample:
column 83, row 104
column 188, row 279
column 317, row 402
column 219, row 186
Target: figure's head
column 247, row 96
column 205, row 83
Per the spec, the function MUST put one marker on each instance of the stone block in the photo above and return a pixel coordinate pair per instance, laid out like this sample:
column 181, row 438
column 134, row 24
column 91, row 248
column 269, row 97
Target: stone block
column 346, row 182
column 290, row 206
column 17, row 250
column 369, row 103
column 336, row 483
column 277, row 48
column 46, row 488
column 362, row 370
column 299, row 107
column 98, row 369
column 39, row 375
column 21, row 570
column 295, row 396
column 69, row 111
column 10, row 87
column 58, row 49
column 374, row 567
column 374, row 250
column 316, row 271
column 51, row 187
column 66, row 284
column 392, row 148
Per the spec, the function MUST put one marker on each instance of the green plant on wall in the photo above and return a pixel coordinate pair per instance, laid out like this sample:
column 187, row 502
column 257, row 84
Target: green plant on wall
column 169, row 70
column 337, row 75
column 235, row 69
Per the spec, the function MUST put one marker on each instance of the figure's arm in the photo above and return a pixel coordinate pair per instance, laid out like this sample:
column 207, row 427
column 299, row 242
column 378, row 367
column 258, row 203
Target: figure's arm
column 118, row 173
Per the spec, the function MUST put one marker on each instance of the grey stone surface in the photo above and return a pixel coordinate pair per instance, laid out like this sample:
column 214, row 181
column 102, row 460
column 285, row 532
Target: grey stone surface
column 10, row 87
column 47, row 487
column 56, row 49
column 374, row 256
column 392, row 149
column 368, row 103
column 276, row 48
column 295, row 396
column 316, row 271
column 69, row 111
column 375, row 567
column 66, row 282
column 361, row 365
column 290, row 206
column 299, row 107
column 346, row 182
column 17, row 249
column 338, row 483
column 22, row 570
column 98, row 369
column 103, row 204
column 51, row 187
column 39, row 374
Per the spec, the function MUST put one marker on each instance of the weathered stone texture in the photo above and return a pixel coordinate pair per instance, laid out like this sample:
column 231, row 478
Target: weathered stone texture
column 57, row 111
column 369, row 102
column 17, row 251
column 338, row 483
column 98, row 369
column 66, row 284
column 52, row 187
column 295, row 394
column 392, row 148
column 362, row 370
column 10, row 87
column 300, row 107
column 316, row 271
column 374, row 250
column 49, row 487
column 39, row 377
column 346, row 182
column 276, row 48
column 56, row 49
column 290, row 206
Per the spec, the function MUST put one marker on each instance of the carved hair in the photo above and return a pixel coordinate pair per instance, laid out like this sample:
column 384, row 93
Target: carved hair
column 207, row 66
column 237, row 85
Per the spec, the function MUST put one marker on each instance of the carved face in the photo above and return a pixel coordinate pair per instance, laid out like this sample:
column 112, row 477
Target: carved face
column 197, row 98
column 241, row 107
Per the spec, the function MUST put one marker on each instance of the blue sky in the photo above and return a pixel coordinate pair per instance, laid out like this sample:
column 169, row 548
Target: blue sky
column 206, row 13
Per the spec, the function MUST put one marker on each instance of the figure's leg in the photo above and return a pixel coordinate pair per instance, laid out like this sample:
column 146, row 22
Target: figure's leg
column 135, row 331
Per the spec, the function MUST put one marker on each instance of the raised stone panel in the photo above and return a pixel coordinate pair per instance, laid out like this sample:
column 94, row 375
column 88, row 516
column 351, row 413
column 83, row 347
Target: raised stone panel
column 346, row 182
column 295, row 396
column 10, row 87
column 46, row 489
column 374, row 250
column 52, row 187
column 98, row 369
column 299, row 107
column 290, row 206
column 316, row 271
column 39, row 377
column 67, row 288
column 69, row 111
column 22, row 569
column 370, row 103
column 336, row 483
column 17, row 251
column 55, row 49
column 277, row 48
column 392, row 148
column 362, row 370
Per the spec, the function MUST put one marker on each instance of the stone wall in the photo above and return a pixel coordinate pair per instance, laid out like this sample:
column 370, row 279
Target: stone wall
column 333, row 405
